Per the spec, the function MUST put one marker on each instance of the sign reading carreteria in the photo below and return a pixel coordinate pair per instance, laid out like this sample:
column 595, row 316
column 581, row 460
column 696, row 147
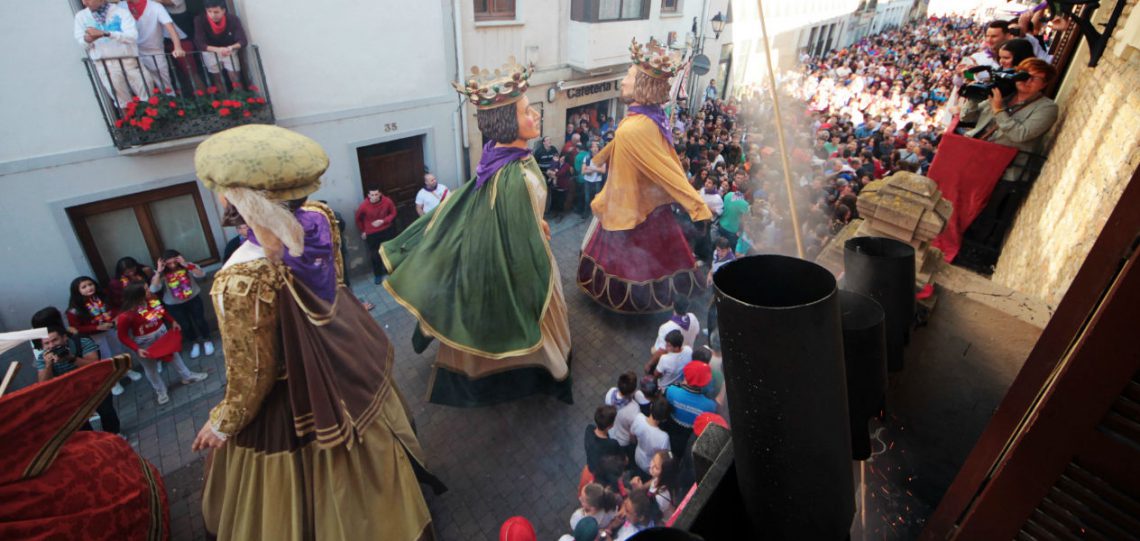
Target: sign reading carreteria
column 587, row 90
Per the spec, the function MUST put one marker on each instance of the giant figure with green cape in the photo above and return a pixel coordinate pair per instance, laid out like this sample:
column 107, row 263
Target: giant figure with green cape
column 478, row 273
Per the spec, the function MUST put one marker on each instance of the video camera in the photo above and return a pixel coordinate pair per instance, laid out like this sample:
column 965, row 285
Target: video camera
column 983, row 79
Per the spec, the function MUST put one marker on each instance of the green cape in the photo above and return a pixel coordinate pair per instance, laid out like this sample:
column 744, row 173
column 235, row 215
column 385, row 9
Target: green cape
column 476, row 271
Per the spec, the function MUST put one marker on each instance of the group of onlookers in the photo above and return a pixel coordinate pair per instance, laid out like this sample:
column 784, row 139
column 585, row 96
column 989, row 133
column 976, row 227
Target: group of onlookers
column 133, row 313
column 129, row 40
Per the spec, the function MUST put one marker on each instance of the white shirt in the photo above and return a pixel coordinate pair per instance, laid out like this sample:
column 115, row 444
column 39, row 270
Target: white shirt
column 672, row 367
column 178, row 8
column 603, row 517
column 983, row 58
column 119, row 22
column 689, row 335
column 714, row 201
column 613, row 397
column 650, row 439
column 150, row 28
column 431, row 199
column 623, row 422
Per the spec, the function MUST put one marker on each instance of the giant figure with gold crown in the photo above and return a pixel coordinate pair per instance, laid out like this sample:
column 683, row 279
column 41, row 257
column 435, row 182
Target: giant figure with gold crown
column 312, row 439
column 635, row 258
column 477, row 272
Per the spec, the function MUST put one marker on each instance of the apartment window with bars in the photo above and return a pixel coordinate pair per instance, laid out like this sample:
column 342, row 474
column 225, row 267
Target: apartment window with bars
column 494, row 10
column 597, row 11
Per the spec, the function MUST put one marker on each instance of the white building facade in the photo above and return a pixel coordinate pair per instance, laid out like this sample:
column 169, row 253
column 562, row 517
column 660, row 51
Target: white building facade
column 891, row 13
column 368, row 81
column 811, row 28
column 794, row 29
column 580, row 49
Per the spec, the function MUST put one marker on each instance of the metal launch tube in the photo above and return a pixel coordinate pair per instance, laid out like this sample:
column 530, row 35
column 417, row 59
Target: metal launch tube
column 787, row 394
column 883, row 269
column 865, row 355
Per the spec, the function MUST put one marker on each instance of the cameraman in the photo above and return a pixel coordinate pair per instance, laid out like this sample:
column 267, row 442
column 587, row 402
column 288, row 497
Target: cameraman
column 1019, row 120
column 64, row 352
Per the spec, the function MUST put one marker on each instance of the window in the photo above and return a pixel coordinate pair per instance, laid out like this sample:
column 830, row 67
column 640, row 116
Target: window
column 494, row 10
column 670, row 6
column 142, row 226
column 594, row 11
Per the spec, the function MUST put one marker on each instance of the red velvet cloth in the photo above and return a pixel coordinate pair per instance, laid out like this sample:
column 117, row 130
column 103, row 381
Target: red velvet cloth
column 56, row 483
column 639, row 270
column 966, row 171
column 96, row 489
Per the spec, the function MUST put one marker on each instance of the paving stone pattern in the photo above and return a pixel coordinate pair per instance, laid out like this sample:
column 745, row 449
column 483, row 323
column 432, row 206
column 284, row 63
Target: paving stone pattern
column 520, row 458
column 524, row 457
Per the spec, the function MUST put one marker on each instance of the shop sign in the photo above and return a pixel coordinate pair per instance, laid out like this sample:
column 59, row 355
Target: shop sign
column 589, row 90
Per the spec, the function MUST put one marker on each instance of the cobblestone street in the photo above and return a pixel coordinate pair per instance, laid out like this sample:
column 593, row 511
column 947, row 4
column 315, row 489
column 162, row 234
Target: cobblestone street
column 520, row 458
column 525, row 457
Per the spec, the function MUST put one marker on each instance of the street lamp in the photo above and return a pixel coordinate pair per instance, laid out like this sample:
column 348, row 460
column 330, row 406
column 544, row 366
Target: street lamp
column 717, row 24
column 700, row 62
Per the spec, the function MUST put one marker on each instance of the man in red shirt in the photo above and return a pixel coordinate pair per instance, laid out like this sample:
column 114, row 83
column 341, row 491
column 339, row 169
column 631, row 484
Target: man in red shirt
column 374, row 218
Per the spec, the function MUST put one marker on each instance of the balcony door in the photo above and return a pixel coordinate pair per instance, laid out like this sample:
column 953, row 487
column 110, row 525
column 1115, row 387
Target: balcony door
column 397, row 168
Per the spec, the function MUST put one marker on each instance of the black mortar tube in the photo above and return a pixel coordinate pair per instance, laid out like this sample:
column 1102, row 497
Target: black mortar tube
column 787, row 393
column 865, row 353
column 883, row 269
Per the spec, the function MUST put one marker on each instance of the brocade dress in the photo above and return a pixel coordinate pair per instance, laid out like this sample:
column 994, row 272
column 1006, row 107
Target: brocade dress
column 478, row 275
column 635, row 257
column 319, row 443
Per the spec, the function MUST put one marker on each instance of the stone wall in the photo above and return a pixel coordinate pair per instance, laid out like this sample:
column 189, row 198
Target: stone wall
column 1095, row 150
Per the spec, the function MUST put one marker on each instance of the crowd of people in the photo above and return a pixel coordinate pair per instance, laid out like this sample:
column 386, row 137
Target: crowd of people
column 856, row 114
column 133, row 313
column 130, row 42
column 638, row 449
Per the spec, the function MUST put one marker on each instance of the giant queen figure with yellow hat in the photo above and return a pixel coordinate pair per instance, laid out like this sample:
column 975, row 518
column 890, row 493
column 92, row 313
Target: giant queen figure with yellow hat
column 311, row 439
column 635, row 258
column 477, row 272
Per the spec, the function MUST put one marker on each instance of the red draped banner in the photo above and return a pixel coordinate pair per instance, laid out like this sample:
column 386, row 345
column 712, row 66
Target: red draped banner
column 966, row 171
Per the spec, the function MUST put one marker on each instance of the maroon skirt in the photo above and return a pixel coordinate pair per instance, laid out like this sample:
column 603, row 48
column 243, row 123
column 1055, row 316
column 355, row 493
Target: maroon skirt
column 640, row 270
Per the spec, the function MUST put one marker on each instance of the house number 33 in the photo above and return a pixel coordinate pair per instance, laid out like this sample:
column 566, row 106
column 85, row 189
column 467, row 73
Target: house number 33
column 391, row 126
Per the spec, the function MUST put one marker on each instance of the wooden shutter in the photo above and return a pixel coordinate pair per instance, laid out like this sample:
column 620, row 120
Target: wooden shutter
column 1059, row 459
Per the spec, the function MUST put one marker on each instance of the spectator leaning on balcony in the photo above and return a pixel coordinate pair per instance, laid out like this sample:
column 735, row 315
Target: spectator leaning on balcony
column 995, row 34
column 181, row 15
column 1019, row 120
column 219, row 35
column 108, row 33
column 150, row 20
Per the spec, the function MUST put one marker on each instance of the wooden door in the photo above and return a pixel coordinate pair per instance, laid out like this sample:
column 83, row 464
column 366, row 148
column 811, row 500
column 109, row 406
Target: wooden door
column 1059, row 458
column 397, row 168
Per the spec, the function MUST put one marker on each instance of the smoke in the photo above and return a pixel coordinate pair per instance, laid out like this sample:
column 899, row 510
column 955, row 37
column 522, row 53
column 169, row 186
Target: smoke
column 769, row 228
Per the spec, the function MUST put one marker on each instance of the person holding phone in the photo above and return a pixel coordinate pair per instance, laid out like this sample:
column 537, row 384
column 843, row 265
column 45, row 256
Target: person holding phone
column 177, row 280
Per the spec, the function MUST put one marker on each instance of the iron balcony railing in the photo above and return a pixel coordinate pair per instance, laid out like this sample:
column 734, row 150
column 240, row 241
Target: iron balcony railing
column 156, row 98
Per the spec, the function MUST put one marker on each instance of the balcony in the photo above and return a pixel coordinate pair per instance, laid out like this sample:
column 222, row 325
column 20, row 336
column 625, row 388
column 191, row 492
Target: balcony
column 158, row 98
column 599, row 31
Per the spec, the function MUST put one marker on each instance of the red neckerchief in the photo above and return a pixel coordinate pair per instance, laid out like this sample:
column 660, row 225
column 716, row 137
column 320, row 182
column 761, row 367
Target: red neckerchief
column 137, row 8
column 217, row 27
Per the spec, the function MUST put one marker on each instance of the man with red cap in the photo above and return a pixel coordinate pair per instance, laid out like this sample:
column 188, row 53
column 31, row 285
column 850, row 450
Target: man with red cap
column 704, row 420
column 517, row 529
column 688, row 399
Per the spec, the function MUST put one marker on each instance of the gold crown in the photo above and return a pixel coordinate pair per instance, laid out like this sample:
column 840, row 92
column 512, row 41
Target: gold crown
column 488, row 90
column 653, row 59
